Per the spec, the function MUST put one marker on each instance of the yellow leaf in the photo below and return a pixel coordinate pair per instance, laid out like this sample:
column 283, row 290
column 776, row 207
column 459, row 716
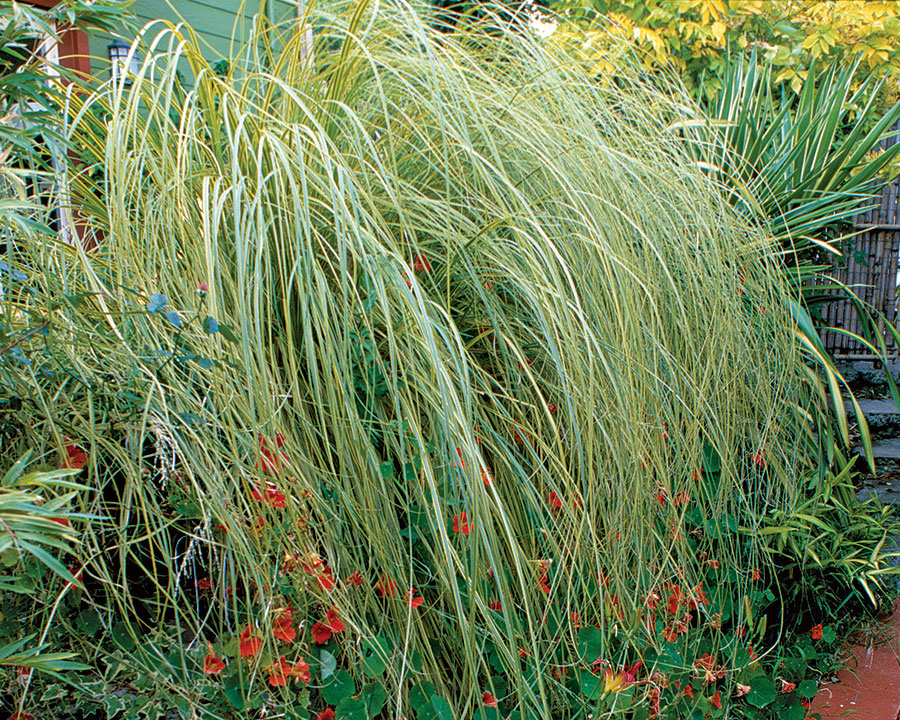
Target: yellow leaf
column 742, row 41
column 796, row 83
column 785, row 74
column 810, row 41
column 718, row 31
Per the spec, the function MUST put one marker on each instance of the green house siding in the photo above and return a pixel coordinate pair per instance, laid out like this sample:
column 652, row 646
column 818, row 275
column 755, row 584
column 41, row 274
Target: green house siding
column 214, row 22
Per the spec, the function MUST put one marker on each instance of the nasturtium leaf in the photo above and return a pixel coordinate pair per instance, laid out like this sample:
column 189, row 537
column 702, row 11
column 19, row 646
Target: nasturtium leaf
column 807, row 689
column 794, row 711
column 157, row 302
column 762, row 692
column 442, row 708
column 828, row 634
column 350, row 708
column 329, row 664
column 590, row 644
column 375, row 697
column 174, row 318
column 122, row 637
column 88, row 621
column 235, row 696
column 210, row 326
column 420, row 700
column 590, row 685
column 340, row 687
column 205, row 363
column 375, row 652
column 415, row 661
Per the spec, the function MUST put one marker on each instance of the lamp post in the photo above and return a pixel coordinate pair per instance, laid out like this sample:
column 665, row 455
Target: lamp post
column 119, row 64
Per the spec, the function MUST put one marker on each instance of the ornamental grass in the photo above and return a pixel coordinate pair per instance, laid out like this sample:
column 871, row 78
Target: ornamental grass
column 416, row 374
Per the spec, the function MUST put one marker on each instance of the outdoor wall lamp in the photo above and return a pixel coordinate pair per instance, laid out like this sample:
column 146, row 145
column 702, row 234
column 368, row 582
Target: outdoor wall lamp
column 119, row 63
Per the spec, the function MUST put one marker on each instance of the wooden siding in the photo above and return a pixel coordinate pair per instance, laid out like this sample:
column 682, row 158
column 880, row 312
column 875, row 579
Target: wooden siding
column 870, row 269
column 214, row 22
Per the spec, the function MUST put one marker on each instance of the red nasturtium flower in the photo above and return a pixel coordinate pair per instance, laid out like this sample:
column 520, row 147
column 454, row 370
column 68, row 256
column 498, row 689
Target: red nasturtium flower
column 497, row 605
column 488, row 699
column 279, row 672
column 461, row 523
column 283, row 628
column 300, row 672
column 269, row 460
column 816, row 632
column 321, row 633
column 18, row 715
column 412, row 600
column 385, row 586
column 319, row 569
column 213, row 665
column 421, row 264
column 326, row 714
column 76, row 457
column 334, row 620
column 787, row 687
column 555, row 500
column 271, row 496
column 248, row 645
column 716, row 699
column 355, row 578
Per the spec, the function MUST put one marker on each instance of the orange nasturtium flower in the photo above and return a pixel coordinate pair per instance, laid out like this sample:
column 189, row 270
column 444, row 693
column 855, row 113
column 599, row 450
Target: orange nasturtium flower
column 461, row 523
column 283, row 627
column 488, row 699
column 300, row 672
column 386, row 586
column 279, row 672
column 411, row 600
column 76, row 457
column 213, row 665
column 321, row 633
column 248, row 645
column 333, row 620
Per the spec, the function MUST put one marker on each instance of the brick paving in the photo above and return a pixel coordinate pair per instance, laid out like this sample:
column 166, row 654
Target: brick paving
column 868, row 688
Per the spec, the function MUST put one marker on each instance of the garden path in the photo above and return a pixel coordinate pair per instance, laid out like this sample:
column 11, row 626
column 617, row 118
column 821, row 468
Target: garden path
column 868, row 688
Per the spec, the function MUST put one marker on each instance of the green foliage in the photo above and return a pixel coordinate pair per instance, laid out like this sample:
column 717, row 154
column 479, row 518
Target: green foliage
column 804, row 169
column 409, row 381
column 473, row 339
column 694, row 38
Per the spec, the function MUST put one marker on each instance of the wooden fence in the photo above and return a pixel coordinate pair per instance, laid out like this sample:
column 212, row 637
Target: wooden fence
column 870, row 268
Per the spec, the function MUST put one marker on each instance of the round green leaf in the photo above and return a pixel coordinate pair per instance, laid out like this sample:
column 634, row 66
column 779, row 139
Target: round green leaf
column 374, row 655
column 590, row 644
column 341, row 686
column 375, row 697
column 329, row 664
column 762, row 692
column 807, row 689
column 350, row 708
